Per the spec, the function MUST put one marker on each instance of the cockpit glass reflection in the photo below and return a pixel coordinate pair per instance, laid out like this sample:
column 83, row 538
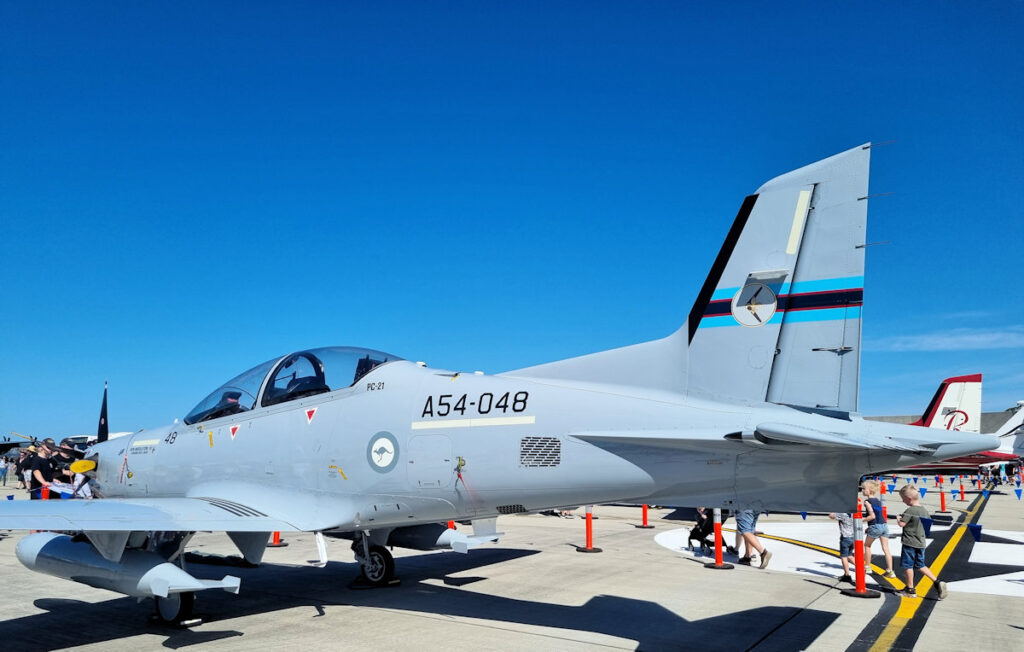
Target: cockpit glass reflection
column 298, row 375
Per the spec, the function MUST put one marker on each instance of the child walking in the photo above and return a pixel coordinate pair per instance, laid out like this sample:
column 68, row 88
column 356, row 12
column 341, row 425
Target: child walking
column 846, row 543
column 877, row 527
column 913, row 542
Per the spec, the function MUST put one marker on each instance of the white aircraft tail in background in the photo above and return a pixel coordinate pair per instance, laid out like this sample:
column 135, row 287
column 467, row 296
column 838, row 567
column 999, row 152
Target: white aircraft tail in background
column 1014, row 427
column 955, row 406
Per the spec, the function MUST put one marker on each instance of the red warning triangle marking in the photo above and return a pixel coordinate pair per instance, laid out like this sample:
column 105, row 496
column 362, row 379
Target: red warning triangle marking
column 234, row 431
column 309, row 414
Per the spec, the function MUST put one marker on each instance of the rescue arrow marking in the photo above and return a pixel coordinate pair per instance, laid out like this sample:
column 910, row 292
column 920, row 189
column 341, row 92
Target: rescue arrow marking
column 234, row 431
column 309, row 415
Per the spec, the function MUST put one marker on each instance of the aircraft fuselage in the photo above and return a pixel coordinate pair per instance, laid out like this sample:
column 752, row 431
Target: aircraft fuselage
column 407, row 444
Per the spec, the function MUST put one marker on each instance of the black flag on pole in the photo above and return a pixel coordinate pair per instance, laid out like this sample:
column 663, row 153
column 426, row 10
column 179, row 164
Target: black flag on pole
column 102, row 432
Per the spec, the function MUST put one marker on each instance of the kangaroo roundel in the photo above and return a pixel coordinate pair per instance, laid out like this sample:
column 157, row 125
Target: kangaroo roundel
column 754, row 304
column 382, row 452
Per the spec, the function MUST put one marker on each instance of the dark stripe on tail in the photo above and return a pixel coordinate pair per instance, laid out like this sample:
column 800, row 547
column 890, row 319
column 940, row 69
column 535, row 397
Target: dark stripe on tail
column 715, row 275
column 806, row 301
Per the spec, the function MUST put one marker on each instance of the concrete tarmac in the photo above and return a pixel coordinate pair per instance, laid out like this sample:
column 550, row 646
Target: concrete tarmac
column 533, row 590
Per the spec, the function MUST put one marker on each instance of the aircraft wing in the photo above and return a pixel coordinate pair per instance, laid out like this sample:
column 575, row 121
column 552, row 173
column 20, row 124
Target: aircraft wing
column 214, row 507
column 140, row 514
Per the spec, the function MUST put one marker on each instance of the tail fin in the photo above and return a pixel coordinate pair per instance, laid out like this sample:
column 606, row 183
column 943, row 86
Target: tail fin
column 956, row 405
column 778, row 317
column 103, row 430
column 1014, row 427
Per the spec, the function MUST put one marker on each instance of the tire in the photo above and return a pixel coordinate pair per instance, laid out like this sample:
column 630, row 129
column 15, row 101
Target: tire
column 176, row 607
column 380, row 567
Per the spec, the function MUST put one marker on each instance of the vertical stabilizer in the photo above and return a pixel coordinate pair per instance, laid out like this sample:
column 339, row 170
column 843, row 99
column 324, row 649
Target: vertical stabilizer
column 778, row 317
column 956, row 405
column 103, row 430
column 1013, row 428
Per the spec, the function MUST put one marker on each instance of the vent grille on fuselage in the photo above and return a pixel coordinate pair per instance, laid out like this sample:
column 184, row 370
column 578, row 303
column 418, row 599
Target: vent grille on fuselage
column 540, row 451
column 511, row 509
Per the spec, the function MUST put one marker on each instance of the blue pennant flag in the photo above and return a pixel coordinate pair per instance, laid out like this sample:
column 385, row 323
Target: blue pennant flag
column 956, row 493
column 1017, row 491
column 923, row 492
column 985, row 493
column 915, row 479
column 892, row 488
column 803, row 515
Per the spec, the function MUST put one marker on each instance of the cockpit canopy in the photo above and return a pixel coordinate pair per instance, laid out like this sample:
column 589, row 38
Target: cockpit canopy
column 304, row 373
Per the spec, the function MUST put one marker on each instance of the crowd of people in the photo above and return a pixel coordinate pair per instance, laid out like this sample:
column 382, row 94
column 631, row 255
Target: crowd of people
column 44, row 470
column 912, row 537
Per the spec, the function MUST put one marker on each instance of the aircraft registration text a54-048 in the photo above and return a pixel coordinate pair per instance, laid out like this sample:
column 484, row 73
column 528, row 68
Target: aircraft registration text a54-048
column 484, row 404
column 468, row 411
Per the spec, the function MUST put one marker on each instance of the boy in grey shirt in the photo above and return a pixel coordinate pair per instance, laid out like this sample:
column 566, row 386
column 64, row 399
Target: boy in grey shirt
column 913, row 542
column 846, row 543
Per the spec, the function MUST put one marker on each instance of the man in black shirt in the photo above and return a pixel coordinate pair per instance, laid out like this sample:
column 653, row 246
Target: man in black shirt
column 42, row 472
column 20, row 467
column 62, row 459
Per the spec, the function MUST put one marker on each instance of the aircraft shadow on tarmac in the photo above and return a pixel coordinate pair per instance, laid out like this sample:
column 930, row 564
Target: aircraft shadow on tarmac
column 272, row 587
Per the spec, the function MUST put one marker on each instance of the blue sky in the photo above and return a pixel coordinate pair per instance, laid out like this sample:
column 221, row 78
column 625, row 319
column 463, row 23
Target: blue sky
column 187, row 190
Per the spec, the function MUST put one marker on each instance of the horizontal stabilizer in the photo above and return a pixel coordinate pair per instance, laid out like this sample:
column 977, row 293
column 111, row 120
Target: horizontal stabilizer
column 799, row 435
column 904, row 446
column 672, row 439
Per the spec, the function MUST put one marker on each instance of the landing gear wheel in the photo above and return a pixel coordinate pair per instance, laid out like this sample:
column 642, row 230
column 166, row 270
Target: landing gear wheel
column 380, row 567
column 176, row 607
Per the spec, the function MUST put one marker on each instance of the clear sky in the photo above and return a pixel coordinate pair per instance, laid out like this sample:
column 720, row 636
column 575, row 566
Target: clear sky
column 189, row 189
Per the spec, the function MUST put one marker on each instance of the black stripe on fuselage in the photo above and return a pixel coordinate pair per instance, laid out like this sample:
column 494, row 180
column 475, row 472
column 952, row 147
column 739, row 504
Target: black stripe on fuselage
column 715, row 275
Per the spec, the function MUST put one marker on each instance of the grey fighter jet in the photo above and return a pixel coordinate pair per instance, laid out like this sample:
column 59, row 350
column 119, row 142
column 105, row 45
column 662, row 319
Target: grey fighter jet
column 751, row 403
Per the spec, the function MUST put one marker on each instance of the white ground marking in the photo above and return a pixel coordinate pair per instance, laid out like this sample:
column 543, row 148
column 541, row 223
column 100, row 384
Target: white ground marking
column 790, row 558
column 1006, row 554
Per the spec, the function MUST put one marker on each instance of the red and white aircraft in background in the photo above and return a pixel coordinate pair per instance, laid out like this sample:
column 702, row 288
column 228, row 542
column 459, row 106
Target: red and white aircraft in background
column 957, row 406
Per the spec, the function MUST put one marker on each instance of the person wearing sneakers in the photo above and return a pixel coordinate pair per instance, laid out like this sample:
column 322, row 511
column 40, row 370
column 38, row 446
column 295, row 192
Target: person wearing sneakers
column 877, row 527
column 914, row 543
column 846, row 543
column 746, row 524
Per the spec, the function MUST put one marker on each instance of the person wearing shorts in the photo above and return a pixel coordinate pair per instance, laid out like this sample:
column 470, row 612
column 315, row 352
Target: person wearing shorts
column 846, row 542
column 913, row 542
column 746, row 526
column 877, row 527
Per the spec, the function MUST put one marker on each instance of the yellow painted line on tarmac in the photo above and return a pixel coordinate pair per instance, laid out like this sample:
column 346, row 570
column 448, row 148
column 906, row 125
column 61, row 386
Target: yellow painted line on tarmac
column 828, row 551
column 909, row 606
